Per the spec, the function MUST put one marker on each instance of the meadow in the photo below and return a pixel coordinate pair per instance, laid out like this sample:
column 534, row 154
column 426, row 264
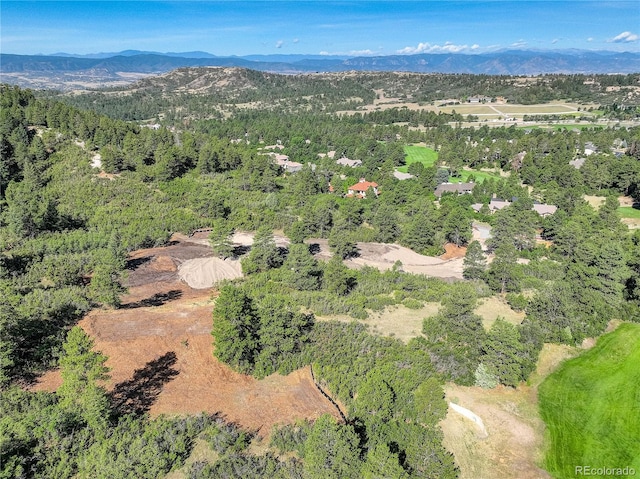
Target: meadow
column 419, row 154
column 590, row 405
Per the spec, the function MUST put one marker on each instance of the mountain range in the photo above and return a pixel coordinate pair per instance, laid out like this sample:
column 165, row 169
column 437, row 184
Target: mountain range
column 110, row 67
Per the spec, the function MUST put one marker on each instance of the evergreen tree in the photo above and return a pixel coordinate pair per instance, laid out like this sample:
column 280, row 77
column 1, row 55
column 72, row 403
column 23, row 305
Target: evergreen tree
column 82, row 371
column 475, row 262
column 264, row 253
column 337, row 278
column 504, row 275
column 235, row 329
column 455, row 335
column 341, row 244
column 381, row 463
column 331, row 451
column 457, row 226
column 220, row 239
column 302, row 269
column 502, row 353
column 386, row 220
column 282, row 332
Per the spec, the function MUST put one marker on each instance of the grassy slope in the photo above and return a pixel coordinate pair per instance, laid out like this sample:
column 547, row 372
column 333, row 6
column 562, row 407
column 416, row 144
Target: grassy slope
column 628, row 212
column 591, row 406
column 428, row 157
column 424, row 155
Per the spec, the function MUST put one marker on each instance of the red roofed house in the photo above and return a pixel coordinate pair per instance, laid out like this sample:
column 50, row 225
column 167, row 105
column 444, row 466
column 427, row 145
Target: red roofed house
column 360, row 188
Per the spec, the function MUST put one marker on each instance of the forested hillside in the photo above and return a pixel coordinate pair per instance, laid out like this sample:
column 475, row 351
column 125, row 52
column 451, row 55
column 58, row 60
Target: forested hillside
column 201, row 93
column 67, row 225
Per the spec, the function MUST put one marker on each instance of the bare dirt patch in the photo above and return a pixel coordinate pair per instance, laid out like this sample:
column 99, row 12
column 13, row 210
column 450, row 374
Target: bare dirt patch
column 161, row 356
column 203, row 273
column 384, row 256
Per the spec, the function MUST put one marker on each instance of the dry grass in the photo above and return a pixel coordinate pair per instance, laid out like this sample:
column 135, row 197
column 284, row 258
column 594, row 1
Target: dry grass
column 492, row 308
column 201, row 452
column 514, row 445
column 469, row 109
column 397, row 321
column 594, row 201
column 537, row 109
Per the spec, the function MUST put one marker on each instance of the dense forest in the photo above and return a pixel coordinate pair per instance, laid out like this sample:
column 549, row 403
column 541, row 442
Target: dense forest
column 65, row 234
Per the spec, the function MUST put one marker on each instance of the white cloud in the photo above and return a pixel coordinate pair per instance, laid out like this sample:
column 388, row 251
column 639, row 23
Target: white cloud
column 352, row 53
column 590, row 39
column 625, row 37
column 426, row 47
column 554, row 41
column 279, row 44
column 518, row 44
column 296, row 40
column 362, row 52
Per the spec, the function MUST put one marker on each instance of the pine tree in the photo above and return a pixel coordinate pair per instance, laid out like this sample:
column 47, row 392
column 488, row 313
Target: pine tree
column 337, row 278
column 235, row 329
column 475, row 262
column 381, row 463
column 82, row 372
column 264, row 253
column 302, row 269
column 331, row 451
column 220, row 239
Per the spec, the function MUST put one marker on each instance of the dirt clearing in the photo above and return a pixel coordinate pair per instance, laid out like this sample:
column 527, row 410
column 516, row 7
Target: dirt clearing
column 161, row 357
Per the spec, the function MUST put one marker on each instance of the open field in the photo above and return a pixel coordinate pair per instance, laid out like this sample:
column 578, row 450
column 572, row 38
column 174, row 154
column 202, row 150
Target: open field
column 495, row 307
column 397, row 321
column 419, row 154
column 590, row 405
column 544, row 109
column 404, row 323
column 469, row 109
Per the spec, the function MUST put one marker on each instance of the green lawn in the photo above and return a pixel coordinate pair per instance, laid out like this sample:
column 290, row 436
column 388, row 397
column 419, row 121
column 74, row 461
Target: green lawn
column 480, row 176
column 591, row 406
column 422, row 154
column 629, row 212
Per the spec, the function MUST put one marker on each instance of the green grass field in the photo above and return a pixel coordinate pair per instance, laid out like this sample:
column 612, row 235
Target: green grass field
column 422, row 154
column 591, row 405
column 629, row 212
column 479, row 176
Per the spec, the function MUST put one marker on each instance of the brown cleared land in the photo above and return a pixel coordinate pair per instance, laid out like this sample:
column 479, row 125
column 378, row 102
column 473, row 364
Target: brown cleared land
column 161, row 357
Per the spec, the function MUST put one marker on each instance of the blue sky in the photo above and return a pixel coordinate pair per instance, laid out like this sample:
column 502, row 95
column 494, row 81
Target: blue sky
column 317, row 27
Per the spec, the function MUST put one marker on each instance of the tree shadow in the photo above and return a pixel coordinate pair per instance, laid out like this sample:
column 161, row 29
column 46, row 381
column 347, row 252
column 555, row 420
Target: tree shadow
column 135, row 263
column 138, row 394
column 157, row 299
column 314, row 248
column 240, row 250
